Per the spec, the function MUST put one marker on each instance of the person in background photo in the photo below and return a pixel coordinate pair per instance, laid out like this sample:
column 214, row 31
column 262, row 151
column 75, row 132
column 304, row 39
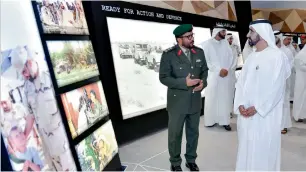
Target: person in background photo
column 23, row 156
column 14, row 113
column 299, row 102
column 183, row 70
column 38, row 90
column 219, row 94
column 259, row 100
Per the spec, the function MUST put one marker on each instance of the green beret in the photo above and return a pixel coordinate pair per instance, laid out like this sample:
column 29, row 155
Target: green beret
column 180, row 30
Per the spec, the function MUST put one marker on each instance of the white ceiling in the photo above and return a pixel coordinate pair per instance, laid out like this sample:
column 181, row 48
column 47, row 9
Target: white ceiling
column 279, row 4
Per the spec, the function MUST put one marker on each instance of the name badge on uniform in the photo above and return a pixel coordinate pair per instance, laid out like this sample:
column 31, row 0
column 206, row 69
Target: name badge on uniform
column 257, row 67
column 198, row 60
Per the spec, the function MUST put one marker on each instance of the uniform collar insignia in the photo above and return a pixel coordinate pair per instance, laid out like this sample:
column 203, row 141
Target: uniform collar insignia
column 179, row 52
column 193, row 51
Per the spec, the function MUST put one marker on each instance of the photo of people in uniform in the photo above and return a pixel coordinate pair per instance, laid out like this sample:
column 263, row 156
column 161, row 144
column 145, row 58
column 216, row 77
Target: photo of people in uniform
column 84, row 107
column 62, row 17
column 31, row 123
column 20, row 134
column 31, row 120
column 72, row 61
column 98, row 149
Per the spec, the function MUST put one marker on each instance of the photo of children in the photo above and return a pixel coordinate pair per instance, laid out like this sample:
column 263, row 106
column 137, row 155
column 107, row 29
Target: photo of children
column 62, row 17
column 72, row 61
column 98, row 149
column 84, row 107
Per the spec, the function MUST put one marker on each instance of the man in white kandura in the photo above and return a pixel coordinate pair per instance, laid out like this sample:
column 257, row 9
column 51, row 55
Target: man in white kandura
column 299, row 103
column 234, row 46
column 284, row 43
column 295, row 50
column 219, row 93
column 259, row 98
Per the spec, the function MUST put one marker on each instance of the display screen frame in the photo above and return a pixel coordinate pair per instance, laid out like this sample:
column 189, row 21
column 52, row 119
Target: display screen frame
column 98, row 28
column 147, row 51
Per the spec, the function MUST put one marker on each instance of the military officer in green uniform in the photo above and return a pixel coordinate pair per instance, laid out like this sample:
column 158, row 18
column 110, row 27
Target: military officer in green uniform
column 184, row 71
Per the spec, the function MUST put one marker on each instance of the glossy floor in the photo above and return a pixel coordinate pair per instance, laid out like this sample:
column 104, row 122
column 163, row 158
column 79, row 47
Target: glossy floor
column 217, row 150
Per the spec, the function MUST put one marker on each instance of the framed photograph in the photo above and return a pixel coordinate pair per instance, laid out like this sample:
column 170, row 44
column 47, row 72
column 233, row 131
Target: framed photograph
column 72, row 61
column 136, row 55
column 98, row 149
column 31, row 123
column 62, row 17
column 84, row 107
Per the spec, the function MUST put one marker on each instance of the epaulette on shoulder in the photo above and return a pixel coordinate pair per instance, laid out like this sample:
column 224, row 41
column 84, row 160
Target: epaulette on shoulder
column 197, row 48
column 169, row 49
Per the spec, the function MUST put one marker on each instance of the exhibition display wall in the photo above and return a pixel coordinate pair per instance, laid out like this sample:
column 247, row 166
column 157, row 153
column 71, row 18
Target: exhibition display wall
column 52, row 99
column 130, row 38
column 80, row 78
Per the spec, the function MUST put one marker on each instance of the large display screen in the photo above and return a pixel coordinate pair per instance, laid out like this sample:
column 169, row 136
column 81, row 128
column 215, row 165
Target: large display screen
column 72, row 61
column 84, row 107
column 98, row 149
column 137, row 47
column 31, row 124
column 62, row 17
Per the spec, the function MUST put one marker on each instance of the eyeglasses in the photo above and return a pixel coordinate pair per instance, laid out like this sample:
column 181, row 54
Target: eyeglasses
column 188, row 36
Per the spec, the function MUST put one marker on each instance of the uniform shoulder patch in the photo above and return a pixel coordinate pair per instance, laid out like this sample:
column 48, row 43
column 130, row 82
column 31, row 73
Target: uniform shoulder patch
column 169, row 49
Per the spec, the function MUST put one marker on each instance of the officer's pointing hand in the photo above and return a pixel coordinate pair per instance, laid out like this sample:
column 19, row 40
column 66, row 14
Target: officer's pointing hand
column 191, row 82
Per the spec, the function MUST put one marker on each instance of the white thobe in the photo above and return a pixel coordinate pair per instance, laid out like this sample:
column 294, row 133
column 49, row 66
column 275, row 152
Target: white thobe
column 219, row 93
column 247, row 50
column 299, row 103
column 262, row 85
column 292, row 82
column 286, row 122
column 293, row 74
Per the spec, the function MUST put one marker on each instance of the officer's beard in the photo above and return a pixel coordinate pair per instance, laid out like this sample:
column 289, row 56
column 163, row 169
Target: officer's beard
column 188, row 45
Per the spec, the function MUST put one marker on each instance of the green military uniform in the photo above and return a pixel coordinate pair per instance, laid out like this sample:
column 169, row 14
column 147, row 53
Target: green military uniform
column 183, row 104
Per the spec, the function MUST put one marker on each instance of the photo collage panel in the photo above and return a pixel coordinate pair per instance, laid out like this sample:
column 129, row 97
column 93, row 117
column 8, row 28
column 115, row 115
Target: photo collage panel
column 31, row 122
